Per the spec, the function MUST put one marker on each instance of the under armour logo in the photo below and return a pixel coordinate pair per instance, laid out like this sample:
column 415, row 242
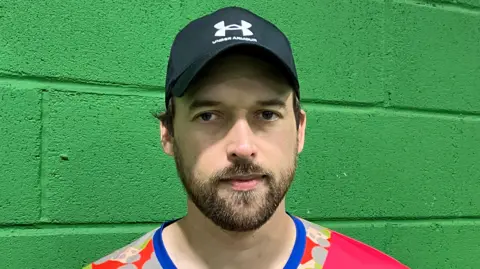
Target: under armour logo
column 244, row 27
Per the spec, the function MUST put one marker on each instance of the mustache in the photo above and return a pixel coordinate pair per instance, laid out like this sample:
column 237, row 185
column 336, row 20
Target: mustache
column 241, row 169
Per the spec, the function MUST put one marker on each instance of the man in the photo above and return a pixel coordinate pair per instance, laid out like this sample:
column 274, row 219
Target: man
column 235, row 127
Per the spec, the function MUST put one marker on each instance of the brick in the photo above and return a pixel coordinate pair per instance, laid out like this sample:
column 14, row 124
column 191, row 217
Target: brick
column 337, row 44
column 376, row 163
column 109, row 41
column 442, row 244
column 62, row 247
column 20, row 126
column 433, row 58
column 105, row 162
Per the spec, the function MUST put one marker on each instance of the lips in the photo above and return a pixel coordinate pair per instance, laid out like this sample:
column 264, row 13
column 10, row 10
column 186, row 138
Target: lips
column 244, row 185
column 244, row 182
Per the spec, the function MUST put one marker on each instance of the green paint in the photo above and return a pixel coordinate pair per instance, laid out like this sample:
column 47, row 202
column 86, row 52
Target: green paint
column 20, row 125
column 388, row 85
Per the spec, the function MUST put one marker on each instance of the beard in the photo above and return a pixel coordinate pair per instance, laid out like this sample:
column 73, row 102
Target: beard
column 238, row 211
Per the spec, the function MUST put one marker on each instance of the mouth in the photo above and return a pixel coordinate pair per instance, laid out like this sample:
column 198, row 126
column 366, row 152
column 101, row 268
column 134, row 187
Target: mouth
column 244, row 182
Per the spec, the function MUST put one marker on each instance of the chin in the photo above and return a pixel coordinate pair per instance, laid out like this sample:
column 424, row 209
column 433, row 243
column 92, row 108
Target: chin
column 245, row 199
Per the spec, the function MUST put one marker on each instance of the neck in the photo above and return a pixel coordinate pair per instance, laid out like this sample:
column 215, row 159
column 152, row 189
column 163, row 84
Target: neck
column 267, row 247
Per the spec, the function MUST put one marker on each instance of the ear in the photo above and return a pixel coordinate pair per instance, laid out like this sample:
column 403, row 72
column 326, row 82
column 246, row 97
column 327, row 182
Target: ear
column 302, row 124
column 166, row 139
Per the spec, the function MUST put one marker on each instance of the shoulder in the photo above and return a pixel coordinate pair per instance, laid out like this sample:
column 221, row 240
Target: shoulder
column 335, row 250
column 137, row 254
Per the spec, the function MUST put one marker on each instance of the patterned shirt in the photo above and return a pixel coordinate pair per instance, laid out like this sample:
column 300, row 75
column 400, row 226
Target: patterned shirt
column 315, row 247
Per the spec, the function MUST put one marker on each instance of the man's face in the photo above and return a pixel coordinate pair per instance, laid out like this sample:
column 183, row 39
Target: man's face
column 236, row 143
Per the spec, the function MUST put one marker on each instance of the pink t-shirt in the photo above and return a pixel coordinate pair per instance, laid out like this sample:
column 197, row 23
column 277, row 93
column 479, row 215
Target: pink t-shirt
column 315, row 247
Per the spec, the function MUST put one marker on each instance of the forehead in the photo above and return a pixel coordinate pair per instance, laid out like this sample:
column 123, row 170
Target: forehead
column 238, row 76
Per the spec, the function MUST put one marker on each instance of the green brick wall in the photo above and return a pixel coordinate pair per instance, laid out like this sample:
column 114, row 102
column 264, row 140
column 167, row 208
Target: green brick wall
column 391, row 88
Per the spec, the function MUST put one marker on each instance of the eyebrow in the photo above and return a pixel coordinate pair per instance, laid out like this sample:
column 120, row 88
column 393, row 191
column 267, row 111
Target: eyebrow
column 272, row 102
column 195, row 104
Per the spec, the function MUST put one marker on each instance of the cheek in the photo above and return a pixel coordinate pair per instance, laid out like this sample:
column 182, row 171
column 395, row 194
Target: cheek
column 283, row 142
column 202, row 158
column 279, row 150
column 210, row 161
column 186, row 151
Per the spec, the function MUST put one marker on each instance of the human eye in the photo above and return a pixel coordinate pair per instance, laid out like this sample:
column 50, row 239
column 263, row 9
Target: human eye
column 206, row 117
column 268, row 115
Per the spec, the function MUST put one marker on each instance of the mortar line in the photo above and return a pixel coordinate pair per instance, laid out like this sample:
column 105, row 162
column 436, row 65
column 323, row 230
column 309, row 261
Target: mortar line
column 437, row 218
column 385, row 55
column 378, row 107
column 435, row 112
column 326, row 221
column 385, row 77
column 73, row 81
column 42, row 178
column 445, row 5
column 138, row 91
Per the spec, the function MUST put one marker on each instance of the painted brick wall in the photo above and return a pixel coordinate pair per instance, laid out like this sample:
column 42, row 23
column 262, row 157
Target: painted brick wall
column 391, row 88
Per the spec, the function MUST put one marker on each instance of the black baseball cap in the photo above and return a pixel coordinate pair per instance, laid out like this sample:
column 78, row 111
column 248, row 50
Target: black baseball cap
column 226, row 29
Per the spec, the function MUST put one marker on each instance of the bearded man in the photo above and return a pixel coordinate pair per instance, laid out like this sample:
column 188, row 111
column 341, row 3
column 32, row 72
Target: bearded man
column 234, row 125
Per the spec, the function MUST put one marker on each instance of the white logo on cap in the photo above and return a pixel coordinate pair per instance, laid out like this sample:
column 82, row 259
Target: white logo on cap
column 222, row 29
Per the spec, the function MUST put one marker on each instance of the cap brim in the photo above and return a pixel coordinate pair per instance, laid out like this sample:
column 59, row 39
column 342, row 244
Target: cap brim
column 184, row 80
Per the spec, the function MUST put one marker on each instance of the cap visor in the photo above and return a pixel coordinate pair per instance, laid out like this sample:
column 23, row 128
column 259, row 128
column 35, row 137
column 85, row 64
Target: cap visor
column 185, row 79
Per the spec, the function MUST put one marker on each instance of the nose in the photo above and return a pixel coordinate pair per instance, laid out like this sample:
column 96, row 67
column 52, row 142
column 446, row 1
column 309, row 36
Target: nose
column 241, row 144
